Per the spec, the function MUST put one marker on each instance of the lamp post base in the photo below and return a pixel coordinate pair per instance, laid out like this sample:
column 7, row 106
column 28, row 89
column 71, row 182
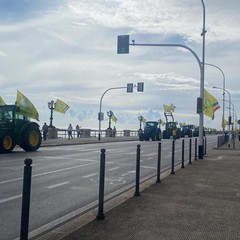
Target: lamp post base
column 200, row 151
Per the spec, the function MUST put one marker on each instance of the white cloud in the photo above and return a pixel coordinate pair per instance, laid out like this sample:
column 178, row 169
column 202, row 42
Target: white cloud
column 69, row 52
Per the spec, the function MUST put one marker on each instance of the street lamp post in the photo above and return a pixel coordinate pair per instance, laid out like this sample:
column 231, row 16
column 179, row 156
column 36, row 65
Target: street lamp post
column 229, row 107
column 51, row 106
column 100, row 114
column 129, row 88
column 201, row 118
column 223, row 115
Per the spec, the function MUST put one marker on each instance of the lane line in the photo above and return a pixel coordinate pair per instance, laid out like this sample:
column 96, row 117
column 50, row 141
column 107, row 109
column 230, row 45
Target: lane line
column 57, row 185
column 47, row 173
column 111, row 169
column 90, row 175
column 10, row 198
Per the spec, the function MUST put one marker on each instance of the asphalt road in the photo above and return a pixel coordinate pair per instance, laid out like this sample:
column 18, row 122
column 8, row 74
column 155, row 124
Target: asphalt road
column 65, row 179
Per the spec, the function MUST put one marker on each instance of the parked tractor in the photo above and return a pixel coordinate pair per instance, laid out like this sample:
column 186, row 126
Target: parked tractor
column 187, row 130
column 196, row 132
column 171, row 129
column 16, row 129
column 151, row 131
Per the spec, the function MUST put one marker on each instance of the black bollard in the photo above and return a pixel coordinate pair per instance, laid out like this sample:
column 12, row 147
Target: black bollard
column 100, row 214
column 173, row 156
column 195, row 149
column 182, row 153
column 205, row 146
column 137, row 193
column 190, row 151
column 159, row 163
column 26, row 199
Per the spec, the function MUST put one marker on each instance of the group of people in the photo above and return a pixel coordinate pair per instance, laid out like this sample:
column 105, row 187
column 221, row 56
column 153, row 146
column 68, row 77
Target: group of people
column 69, row 130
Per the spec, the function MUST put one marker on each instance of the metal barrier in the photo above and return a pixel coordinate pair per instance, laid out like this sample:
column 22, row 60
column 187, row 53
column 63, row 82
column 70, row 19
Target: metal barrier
column 222, row 140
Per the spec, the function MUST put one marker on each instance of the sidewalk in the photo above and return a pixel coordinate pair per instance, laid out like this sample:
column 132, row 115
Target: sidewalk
column 201, row 201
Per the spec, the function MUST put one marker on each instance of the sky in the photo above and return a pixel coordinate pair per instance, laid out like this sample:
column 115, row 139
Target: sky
column 67, row 50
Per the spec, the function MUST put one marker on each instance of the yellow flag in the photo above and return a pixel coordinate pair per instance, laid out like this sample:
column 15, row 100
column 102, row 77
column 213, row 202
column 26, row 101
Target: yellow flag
column 224, row 123
column 172, row 107
column 143, row 119
column 210, row 104
column 2, row 101
column 27, row 109
column 162, row 123
column 60, row 106
column 114, row 119
column 166, row 108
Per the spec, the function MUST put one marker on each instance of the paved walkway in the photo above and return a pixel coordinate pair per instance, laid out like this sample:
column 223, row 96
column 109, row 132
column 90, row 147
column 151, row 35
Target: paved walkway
column 201, row 201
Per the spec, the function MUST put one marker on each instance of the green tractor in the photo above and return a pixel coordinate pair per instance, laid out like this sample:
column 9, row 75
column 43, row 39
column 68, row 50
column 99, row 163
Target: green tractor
column 16, row 129
column 151, row 131
column 171, row 129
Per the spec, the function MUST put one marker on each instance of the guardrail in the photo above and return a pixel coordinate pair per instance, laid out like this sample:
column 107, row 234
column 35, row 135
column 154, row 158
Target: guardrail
column 86, row 133
column 222, row 140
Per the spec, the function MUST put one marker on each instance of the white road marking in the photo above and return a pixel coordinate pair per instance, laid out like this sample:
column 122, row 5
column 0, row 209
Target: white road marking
column 127, row 173
column 57, row 185
column 10, row 198
column 90, row 175
column 111, row 169
column 47, row 173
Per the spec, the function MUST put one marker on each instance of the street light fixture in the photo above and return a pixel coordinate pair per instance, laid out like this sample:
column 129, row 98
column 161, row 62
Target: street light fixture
column 229, row 116
column 223, row 115
column 129, row 88
column 51, row 106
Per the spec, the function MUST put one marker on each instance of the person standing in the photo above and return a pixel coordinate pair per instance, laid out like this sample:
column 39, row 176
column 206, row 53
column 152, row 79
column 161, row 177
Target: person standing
column 45, row 131
column 70, row 131
column 78, row 131
column 114, row 131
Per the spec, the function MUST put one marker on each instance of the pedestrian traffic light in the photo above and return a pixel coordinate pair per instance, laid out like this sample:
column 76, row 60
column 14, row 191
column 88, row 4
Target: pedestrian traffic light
column 140, row 87
column 199, row 105
column 130, row 87
column 123, row 44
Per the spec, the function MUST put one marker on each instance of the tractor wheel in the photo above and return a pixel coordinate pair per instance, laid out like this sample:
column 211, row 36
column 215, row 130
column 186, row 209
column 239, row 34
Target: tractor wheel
column 31, row 139
column 165, row 135
column 158, row 135
column 153, row 137
column 141, row 137
column 7, row 143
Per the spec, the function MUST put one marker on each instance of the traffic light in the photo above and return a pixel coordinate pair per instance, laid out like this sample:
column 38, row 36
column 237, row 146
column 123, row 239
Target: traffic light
column 140, row 87
column 130, row 87
column 123, row 44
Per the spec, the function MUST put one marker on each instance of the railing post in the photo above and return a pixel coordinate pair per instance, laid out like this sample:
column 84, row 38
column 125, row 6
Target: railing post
column 159, row 163
column 100, row 214
column 173, row 156
column 137, row 193
column 26, row 199
column 195, row 148
column 190, row 151
column 182, row 153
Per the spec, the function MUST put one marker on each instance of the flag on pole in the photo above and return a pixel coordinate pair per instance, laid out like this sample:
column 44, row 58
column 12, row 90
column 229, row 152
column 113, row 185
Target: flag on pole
column 166, row 108
column 169, row 108
column 114, row 119
column 143, row 119
column 162, row 123
column 210, row 104
column 60, row 106
column 172, row 107
column 27, row 109
column 224, row 123
column 2, row 101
